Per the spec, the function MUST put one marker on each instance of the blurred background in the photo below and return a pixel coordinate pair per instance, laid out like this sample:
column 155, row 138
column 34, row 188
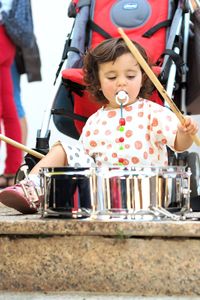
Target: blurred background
column 51, row 26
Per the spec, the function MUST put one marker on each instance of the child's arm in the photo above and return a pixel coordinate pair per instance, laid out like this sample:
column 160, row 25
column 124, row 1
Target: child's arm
column 183, row 137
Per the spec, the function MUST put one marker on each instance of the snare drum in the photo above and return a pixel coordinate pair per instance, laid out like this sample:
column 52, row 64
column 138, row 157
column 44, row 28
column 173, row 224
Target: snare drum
column 126, row 192
column 67, row 192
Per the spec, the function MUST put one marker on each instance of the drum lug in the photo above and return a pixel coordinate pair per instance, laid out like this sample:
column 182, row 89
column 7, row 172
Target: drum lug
column 163, row 212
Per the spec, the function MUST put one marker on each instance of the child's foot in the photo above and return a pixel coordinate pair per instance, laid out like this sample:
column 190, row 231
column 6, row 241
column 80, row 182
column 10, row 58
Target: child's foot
column 25, row 197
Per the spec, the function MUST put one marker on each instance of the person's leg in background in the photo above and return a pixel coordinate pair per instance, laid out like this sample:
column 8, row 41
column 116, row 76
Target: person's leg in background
column 18, row 102
column 8, row 112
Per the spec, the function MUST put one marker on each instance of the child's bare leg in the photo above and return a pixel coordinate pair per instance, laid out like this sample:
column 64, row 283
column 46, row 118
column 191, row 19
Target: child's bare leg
column 56, row 157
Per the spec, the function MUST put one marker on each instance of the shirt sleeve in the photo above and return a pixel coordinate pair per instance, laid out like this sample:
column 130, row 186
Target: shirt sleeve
column 164, row 127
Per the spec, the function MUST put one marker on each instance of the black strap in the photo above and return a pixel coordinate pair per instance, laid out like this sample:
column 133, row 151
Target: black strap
column 74, row 86
column 64, row 57
column 65, row 52
column 155, row 28
column 73, row 49
column 95, row 27
column 67, row 114
column 98, row 29
column 173, row 32
column 178, row 60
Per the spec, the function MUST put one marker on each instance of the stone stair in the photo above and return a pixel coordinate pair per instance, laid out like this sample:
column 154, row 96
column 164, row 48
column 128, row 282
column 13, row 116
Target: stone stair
column 137, row 258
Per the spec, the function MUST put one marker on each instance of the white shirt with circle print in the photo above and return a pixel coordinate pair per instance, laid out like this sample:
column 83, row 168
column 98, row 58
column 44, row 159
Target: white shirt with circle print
column 148, row 130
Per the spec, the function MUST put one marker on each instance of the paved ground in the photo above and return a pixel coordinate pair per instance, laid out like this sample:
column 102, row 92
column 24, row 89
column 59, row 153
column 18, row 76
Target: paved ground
column 83, row 296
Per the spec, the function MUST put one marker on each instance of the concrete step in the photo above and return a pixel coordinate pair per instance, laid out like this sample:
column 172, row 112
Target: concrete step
column 98, row 258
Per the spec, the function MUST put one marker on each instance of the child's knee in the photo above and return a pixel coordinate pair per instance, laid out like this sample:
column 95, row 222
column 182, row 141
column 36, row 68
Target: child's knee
column 58, row 153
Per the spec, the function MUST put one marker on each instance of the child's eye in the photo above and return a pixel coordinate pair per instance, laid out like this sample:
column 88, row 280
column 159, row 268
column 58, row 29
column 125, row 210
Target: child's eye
column 130, row 76
column 112, row 78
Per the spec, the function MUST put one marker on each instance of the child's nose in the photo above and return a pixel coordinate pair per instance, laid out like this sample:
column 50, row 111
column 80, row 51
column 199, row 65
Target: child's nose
column 121, row 81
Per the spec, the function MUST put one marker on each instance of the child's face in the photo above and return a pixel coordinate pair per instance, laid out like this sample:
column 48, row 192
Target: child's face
column 124, row 74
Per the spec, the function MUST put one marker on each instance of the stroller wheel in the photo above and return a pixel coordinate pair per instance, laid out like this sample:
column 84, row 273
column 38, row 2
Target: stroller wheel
column 20, row 175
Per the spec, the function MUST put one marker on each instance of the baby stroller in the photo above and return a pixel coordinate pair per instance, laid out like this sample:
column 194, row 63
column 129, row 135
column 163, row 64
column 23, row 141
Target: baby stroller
column 163, row 32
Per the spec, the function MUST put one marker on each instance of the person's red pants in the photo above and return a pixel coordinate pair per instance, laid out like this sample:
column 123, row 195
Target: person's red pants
column 8, row 112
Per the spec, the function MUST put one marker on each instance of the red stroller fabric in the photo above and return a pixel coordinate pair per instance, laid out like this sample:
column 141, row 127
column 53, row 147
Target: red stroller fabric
column 104, row 10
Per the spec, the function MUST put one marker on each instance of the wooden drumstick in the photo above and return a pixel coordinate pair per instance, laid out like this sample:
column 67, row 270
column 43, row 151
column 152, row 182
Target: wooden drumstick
column 21, row 146
column 155, row 81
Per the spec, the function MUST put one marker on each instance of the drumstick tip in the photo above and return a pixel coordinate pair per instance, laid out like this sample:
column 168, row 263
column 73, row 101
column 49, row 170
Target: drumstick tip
column 120, row 30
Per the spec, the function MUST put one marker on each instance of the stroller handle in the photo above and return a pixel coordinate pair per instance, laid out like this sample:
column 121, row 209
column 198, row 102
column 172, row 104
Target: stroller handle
column 155, row 81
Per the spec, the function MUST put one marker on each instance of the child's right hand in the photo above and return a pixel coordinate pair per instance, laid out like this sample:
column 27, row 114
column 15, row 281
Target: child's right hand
column 189, row 127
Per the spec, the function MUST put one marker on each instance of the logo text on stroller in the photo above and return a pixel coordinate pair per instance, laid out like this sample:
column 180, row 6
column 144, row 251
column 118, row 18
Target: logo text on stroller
column 130, row 6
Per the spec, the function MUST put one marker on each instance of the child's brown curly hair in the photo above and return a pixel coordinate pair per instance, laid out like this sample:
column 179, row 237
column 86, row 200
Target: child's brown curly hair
column 106, row 51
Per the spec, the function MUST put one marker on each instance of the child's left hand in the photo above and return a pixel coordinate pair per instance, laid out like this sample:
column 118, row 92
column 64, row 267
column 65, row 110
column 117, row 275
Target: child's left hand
column 190, row 126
